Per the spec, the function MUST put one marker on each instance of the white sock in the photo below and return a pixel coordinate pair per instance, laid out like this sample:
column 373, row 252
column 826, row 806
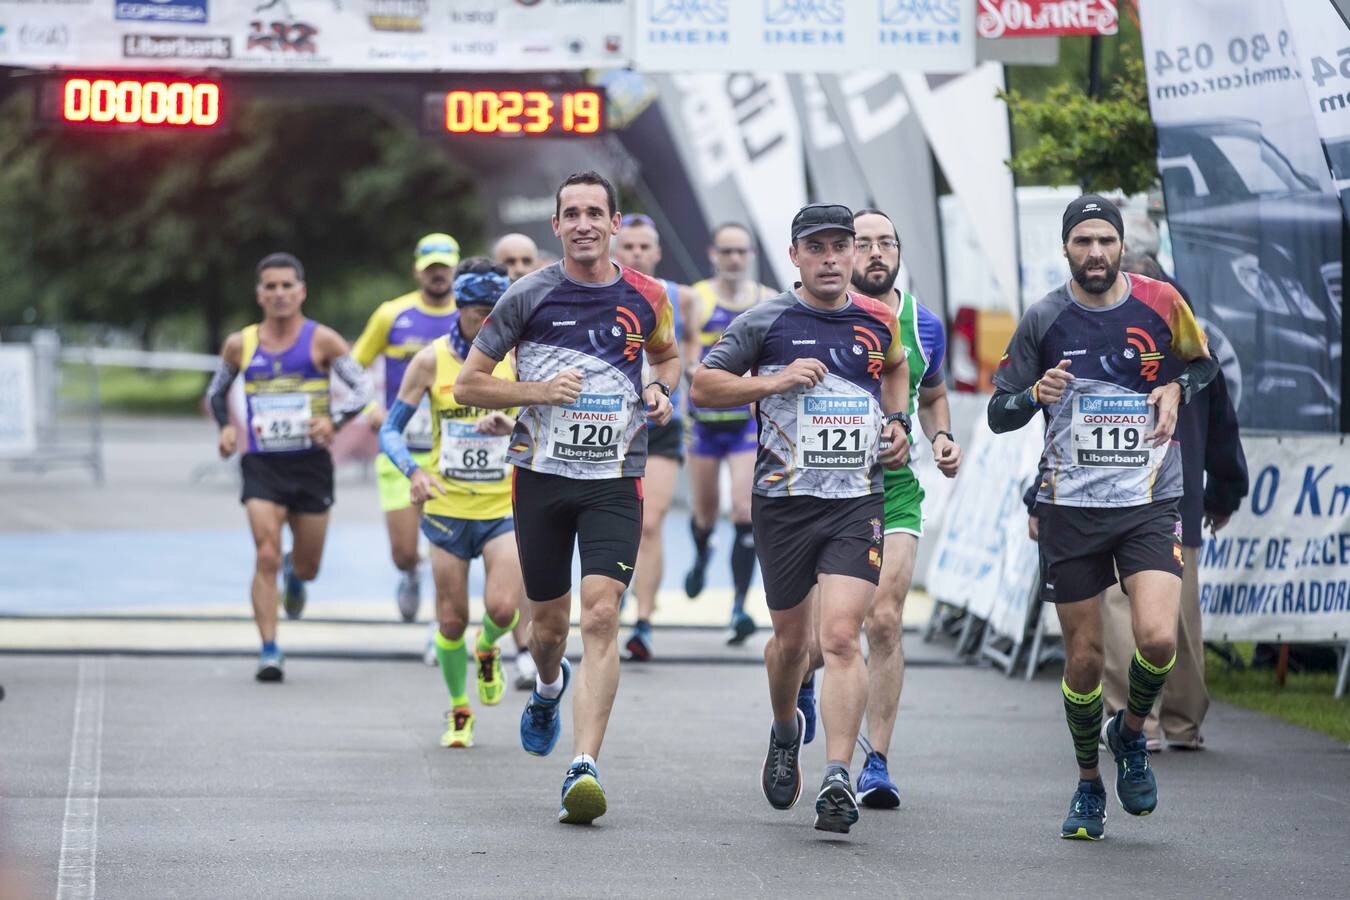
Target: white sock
column 584, row 758
column 549, row 691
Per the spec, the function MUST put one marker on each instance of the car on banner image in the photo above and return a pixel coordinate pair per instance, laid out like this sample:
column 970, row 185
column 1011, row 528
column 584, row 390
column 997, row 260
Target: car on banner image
column 1257, row 245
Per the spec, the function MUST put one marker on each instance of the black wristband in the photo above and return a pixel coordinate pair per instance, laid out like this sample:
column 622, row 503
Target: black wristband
column 665, row 388
column 951, row 437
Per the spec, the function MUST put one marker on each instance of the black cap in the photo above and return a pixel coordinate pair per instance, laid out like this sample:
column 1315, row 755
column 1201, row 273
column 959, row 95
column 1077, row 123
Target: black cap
column 1092, row 206
column 816, row 217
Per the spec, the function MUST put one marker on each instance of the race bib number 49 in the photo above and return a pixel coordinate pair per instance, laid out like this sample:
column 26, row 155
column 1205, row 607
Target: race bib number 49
column 835, row 432
column 468, row 455
column 1110, row 430
column 281, row 422
column 590, row 430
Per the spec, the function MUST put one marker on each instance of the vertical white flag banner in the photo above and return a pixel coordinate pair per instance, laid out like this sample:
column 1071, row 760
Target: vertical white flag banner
column 740, row 141
column 1322, row 40
column 967, row 127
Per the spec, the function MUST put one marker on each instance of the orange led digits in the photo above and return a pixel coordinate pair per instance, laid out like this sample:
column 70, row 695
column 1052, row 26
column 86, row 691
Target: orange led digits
column 512, row 112
column 103, row 101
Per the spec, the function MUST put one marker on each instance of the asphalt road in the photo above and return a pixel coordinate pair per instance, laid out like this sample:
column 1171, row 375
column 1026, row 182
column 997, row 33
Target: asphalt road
column 333, row 785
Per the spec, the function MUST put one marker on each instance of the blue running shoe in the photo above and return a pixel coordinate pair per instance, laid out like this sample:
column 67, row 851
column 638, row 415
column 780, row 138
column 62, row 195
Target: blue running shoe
column 1087, row 813
column 583, row 799
column 875, row 788
column 836, row 807
column 1136, row 788
column 742, row 626
column 539, row 723
column 293, row 595
column 806, row 702
column 271, row 666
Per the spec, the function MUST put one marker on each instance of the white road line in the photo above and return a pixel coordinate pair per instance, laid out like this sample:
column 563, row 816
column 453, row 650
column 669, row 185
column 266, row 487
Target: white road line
column 79, row 829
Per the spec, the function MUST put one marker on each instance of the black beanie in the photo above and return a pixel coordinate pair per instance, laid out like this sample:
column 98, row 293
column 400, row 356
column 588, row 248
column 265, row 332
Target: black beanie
column 1091, row 206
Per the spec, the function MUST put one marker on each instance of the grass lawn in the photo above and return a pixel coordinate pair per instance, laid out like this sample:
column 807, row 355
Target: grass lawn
column 1306, row 699
column 141, row 391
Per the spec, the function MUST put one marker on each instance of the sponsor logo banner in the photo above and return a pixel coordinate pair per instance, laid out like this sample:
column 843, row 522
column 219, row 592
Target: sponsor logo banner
column 1045, row 18
column 176, row 11
column 175, row 46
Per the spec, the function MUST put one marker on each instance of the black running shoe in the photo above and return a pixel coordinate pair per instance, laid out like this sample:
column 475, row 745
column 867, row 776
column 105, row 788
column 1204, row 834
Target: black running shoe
column 836, row 807
column 781, row 777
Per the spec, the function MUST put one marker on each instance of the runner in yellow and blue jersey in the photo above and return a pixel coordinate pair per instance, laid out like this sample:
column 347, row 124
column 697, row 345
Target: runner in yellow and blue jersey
column 722, row 435
column 465, row 496
column 396, row 331
column 286, row 361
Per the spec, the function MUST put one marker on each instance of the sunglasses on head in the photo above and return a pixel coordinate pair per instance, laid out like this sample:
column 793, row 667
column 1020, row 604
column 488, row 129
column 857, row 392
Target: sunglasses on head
column 636, row 219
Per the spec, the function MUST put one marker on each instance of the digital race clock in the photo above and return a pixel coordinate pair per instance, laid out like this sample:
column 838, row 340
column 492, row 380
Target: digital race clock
column 124, row 101
column 515, row 112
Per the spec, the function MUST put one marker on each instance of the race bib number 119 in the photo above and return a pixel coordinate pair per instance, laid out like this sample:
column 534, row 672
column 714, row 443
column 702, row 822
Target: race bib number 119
column 1110, row 430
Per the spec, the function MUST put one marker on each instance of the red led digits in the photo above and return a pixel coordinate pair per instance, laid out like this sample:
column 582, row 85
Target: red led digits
column 130, row 101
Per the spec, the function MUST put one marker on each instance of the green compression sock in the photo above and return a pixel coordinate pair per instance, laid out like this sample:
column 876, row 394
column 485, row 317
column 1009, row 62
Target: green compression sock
column 454, row 660
column 1146, row 683
column 491, row 632
column 1084, row 712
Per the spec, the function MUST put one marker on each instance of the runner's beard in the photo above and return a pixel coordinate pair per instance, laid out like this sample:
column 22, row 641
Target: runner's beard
column 437, row 292
column 869, row 285
column 1095, row 284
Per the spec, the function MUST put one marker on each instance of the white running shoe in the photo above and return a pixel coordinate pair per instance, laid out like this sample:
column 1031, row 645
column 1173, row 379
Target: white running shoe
column 429, row 651
column 526, row 671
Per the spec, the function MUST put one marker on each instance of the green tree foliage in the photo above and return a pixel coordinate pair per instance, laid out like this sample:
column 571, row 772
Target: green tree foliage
column 143, row 230
column 1101, row 144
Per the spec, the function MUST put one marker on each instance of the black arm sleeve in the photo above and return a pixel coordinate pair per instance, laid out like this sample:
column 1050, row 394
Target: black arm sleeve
column 1226, row 480
column 1196, row 376
column 1009, row 411
column 218, row 393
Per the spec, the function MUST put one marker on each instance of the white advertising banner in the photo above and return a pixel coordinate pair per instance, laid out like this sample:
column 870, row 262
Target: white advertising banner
column 805, row 35
column 1280, row 569
column 18, row 412
column 983, row 559
column 1254, row 222
column 318, row 35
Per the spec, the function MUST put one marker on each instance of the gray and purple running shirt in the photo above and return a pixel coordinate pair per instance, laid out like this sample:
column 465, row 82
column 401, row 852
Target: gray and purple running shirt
column 1096, row 448
column 555, row 324
column 820, row 441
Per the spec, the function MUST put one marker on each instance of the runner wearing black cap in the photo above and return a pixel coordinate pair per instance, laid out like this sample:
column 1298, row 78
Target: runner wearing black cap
column 1108, row 358
column 830, row 386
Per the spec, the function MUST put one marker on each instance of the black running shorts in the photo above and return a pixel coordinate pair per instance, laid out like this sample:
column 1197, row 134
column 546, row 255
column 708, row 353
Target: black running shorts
column 301, row 482
column 666, row 440
column 554, row 513
column 798, row 538
column 1083, row 548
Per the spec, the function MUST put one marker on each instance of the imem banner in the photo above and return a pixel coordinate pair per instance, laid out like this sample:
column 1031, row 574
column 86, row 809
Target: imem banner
column 1254, row 220
column 805, row 35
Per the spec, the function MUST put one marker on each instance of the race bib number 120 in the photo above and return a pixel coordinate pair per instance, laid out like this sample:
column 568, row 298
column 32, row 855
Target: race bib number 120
column 835, row 432
column 590, row 430
column 1110, row 430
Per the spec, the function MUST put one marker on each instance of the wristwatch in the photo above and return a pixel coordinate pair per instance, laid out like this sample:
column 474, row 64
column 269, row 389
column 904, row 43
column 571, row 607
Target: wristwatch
column 1183, row 381
column 902, row 418
column 951, row 437
column 665, row 388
